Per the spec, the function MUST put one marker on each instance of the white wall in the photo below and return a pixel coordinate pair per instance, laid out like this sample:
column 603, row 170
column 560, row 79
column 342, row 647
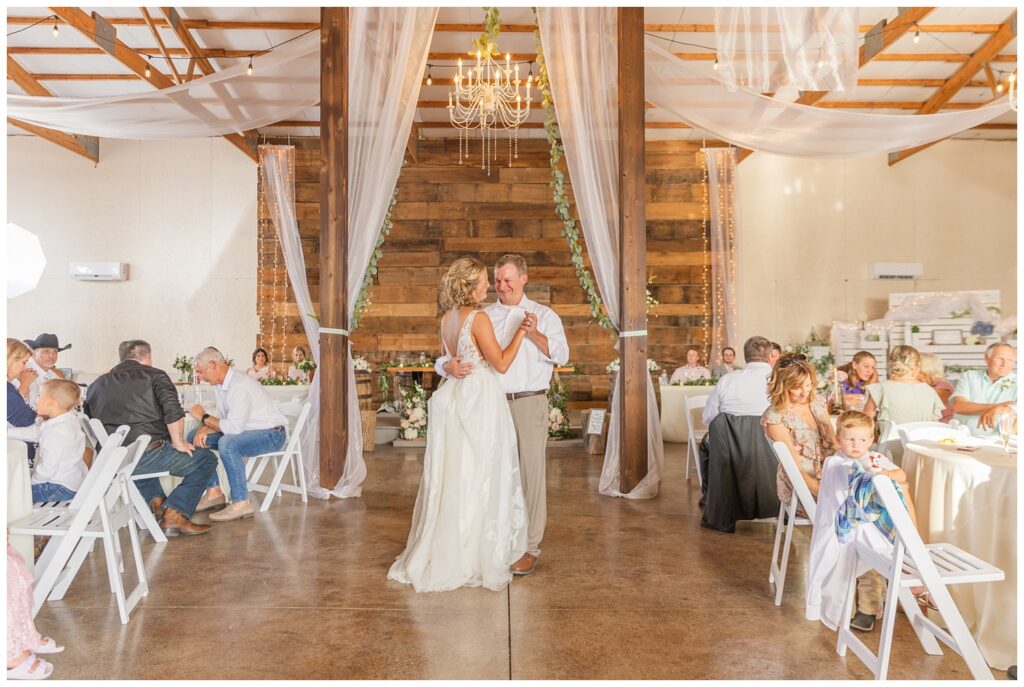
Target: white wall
column 181, row 213
column 810, row 229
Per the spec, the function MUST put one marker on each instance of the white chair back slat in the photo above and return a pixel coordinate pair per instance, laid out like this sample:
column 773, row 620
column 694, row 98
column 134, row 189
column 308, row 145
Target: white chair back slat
column 800, row 488
column 284, row 459
column 694, row 433
column 788, row 519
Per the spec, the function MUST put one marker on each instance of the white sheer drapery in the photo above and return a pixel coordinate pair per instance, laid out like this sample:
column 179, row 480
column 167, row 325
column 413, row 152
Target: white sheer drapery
column 721, row 165
column 388, row 53
column 277, row 168
column 767, row 48
column 284, row 82
column 581, row 54
column 700, row 98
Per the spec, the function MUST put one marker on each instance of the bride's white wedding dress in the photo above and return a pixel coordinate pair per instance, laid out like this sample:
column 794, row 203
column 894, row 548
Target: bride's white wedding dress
column 469, row 523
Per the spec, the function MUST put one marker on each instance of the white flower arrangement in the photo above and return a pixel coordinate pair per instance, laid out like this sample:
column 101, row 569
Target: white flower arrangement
column 613, row 366
column 413, row 412
column 361, row 364
column 556, row 419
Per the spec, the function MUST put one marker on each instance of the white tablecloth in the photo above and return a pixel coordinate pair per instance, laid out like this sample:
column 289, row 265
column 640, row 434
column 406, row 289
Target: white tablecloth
column 970, row 500
column 19, row 495
column 281, row 394
column 675, row 426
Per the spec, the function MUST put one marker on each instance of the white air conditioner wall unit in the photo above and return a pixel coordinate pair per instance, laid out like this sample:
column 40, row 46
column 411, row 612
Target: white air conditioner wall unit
column 897, row 270
column 99, row 271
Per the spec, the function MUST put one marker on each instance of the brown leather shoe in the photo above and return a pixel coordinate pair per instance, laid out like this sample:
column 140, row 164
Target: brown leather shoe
column 174, row 523
column 525, row 565
column 156, row 504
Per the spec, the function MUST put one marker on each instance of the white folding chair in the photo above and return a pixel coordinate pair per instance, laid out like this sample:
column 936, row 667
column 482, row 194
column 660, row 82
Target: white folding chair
column 694, row 434
column 788, row 519
column 290, row 456
column 69, row 522
column 915, row 431
column 140, row 509
column 914, row 564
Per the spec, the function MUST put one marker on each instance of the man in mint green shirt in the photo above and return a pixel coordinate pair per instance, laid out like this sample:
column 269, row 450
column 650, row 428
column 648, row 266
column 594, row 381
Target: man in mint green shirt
column 981, row 396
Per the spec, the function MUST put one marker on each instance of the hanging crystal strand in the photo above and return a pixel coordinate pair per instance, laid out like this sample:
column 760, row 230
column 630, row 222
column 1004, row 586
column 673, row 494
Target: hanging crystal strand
column 516, row 134
column 510, row 150
column 483, row 146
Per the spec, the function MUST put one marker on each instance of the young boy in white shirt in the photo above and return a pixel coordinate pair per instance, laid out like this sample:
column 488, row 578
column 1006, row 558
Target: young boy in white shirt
column 62, row 458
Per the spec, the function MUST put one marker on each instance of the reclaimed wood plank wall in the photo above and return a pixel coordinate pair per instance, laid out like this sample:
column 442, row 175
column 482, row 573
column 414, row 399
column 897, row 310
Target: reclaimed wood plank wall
column 446, row 210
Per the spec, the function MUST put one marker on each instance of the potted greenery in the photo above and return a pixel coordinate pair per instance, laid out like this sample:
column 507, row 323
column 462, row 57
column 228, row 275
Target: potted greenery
column 183, row 364
column 919, row 338
column 817, row 346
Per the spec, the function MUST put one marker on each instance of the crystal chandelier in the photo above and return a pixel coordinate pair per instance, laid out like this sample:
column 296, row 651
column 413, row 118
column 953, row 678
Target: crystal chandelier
column 489, row 98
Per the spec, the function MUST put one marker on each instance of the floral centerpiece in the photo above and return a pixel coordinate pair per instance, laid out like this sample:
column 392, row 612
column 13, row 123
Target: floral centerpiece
column 613, row 366
column 280, row 381
column 361, row 364
column 558, row 410
column 412, row 410
column 700, row 381
column 183, row 364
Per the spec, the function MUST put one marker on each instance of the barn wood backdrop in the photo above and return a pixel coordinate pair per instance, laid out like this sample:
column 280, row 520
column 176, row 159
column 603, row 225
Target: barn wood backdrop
column 446, row 210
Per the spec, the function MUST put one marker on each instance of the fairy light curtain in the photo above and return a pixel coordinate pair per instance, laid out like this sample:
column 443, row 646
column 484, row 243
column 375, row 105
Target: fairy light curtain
column 703, row 100
column 284, row 82
column 767, row 48
column 721, row 171
column 581, row 52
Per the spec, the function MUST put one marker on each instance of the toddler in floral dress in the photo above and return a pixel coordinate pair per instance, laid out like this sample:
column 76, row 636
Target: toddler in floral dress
column 23, row 642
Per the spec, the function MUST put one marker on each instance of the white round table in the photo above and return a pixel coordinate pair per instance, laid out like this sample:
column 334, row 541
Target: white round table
column 970, row 500
column 675, row 426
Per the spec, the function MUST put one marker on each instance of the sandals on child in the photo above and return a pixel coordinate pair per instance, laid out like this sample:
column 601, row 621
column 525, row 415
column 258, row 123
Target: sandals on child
column 48, row 646
column 32, row 668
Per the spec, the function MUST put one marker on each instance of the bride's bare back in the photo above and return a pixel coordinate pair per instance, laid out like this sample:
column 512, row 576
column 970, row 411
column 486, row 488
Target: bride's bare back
column 482, row 332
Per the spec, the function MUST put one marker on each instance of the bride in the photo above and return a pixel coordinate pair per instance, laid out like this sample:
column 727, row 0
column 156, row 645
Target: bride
column 469, row 523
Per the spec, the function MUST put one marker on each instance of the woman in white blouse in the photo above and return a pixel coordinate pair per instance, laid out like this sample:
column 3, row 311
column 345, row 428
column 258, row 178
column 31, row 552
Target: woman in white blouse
column 692, row 369
column 261, row 368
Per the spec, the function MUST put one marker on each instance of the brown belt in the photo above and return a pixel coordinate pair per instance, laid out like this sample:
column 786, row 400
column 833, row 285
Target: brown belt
column 524, row 394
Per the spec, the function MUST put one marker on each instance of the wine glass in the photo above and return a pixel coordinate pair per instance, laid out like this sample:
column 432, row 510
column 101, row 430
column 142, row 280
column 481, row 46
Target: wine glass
column 1006, row 421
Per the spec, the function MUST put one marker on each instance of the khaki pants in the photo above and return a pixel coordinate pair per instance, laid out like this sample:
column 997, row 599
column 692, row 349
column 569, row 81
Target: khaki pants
column 530, row 416
column 870, row 593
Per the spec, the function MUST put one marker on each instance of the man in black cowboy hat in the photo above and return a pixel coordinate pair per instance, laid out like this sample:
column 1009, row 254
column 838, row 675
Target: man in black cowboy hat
column 43, row 362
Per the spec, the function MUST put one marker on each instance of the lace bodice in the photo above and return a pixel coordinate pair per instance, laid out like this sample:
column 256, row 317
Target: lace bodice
column 465, row 346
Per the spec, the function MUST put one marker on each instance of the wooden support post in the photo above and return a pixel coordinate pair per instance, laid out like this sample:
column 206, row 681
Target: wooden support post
column 632, row 250
column 333, row 368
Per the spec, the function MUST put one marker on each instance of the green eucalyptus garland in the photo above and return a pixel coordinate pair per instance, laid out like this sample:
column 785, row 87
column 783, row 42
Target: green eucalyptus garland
column 363, row 300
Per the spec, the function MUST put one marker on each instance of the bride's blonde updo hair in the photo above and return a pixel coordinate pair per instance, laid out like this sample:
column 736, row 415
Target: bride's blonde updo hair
column 460, row 282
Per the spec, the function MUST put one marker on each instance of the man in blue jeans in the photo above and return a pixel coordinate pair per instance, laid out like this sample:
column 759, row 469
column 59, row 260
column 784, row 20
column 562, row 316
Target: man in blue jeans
column 136, row 394
column 248, row 423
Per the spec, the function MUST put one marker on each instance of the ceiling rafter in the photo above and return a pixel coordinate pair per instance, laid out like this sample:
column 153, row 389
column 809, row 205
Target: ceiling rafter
column 86, row 25
column 200, row 24
column 978, row 59
column 160, row 42
column 86, row 146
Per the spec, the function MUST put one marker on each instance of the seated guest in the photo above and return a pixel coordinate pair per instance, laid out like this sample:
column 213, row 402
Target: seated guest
column 746, row 391
column 45, row 348
column 692, row 369
column 797, row 417
column 136, row 394
column 774, row 354
column 64, row 455
column 933, row 373
column 859, row 374
column 19, row 413
column 298, row 355
column 982, row 395
column 903, row 397
column 728, row 363
column 261, row 369
column 248, row 423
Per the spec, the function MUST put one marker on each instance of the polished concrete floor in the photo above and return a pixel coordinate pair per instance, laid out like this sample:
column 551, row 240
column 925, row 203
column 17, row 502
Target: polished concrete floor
column 624, row 589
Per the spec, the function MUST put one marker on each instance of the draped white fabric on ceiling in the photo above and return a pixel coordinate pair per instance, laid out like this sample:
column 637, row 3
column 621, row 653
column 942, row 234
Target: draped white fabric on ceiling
column 751, row 120
column 390, row 46
column 580, row 50
column 284, row 82
column 721, row 164
column 767, row 48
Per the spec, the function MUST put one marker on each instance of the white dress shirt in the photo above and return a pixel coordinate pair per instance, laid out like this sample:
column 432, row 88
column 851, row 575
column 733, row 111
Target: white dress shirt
column 61, row 448
column 531, row 370
column 742, row 392
column 243, row 405
column 688, row 374
column 37, row 384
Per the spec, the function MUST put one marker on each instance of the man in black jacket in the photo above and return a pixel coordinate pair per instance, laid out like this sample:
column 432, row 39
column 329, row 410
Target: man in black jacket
column 136, row 394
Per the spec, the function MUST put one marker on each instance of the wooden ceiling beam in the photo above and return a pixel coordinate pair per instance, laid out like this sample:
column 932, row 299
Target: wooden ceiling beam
column 86, row 146
column 978, row 59
column 187, row 41
column 202, row 24
column 160, row 42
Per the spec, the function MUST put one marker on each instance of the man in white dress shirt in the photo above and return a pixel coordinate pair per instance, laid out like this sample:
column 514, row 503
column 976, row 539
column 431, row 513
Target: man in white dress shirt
column 526, row 384
column 743, row 391
column 249, row 423
column 43, row 362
